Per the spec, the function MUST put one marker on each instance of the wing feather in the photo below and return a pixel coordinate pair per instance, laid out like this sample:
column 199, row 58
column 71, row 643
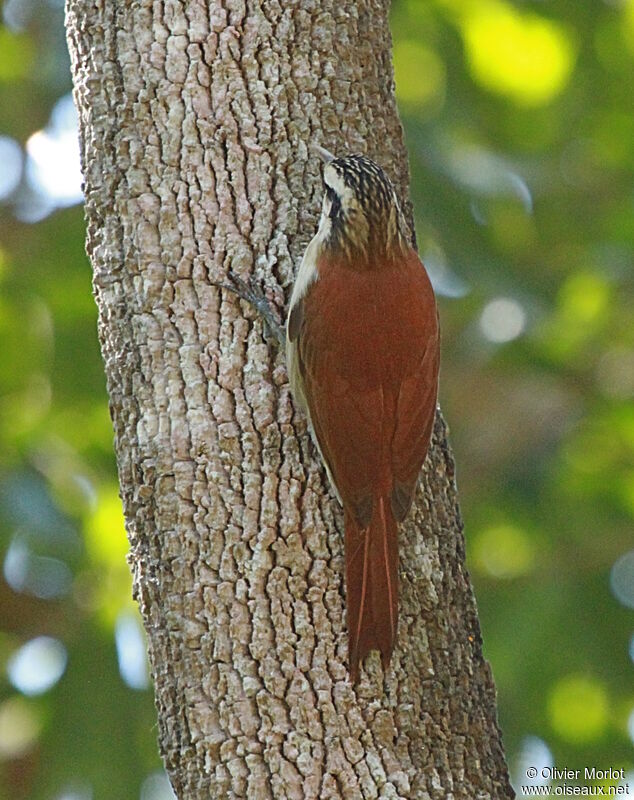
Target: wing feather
column 370, row 390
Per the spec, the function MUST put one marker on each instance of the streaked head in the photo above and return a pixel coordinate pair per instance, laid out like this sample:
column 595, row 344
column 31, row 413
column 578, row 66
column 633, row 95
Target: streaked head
column 360, row 212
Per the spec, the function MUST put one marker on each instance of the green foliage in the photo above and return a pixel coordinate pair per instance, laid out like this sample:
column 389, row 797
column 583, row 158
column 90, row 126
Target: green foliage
column 522, row 184
column 520, row 124
column 62, row 539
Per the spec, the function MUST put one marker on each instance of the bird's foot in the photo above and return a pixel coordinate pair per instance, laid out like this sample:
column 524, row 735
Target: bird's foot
column 252, row 293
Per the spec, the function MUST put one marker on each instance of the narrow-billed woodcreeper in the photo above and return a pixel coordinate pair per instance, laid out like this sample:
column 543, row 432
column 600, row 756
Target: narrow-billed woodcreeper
column 362, row 348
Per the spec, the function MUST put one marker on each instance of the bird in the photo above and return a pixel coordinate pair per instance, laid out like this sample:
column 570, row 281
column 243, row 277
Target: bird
column 363, row 353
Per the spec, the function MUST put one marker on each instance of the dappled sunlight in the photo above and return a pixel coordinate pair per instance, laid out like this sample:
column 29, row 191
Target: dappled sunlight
column 131, row 650
column 502, row 320
column 107, row 548
column 420, row 77
column 37, row 665
column 523, row 56
column 41, row 545
column 47, row 175
column 578, row 708
column 445, row 281
column 504, row 551
column 16, row 55
column 106, row 538
column 20, row 725
column 157, row 787
column 582, row 310
column 53, row 156
column 11, row 161
column 53, row 173
column 41, row 576
column 533, row 754
column 584, row 298
column 488, row 174
column 622, row 579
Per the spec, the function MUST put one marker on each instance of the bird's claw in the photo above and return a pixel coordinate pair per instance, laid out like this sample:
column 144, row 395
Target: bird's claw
column 250, row 291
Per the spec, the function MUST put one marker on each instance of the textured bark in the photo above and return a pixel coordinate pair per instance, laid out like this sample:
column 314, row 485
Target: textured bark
column 194, row 126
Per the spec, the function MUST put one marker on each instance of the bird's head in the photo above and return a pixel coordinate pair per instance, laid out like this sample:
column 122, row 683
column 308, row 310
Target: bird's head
column 360, row 215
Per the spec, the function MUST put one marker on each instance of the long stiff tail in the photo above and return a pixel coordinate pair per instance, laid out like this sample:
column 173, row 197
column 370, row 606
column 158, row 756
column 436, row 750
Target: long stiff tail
column 371, row 585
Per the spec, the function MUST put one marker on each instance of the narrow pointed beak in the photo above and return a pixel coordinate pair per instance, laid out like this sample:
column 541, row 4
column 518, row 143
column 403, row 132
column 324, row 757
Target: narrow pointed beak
column 325, row 155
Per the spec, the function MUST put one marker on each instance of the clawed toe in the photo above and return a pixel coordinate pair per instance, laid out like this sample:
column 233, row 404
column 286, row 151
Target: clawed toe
column 252, row 292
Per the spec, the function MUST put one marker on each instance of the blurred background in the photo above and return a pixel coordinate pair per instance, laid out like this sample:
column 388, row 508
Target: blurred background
column 520, row 125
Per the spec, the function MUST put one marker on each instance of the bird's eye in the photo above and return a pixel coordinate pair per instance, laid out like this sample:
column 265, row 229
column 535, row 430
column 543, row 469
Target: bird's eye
column 335, row 202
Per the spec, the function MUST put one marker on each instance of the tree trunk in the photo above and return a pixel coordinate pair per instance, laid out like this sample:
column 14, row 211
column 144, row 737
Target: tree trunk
column 195, row 122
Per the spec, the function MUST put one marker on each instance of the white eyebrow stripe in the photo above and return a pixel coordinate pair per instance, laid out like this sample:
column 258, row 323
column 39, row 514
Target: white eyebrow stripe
column 333, row 179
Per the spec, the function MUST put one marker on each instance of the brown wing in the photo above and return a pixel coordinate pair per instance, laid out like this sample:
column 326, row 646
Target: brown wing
column 415, row 414
column 367, row 350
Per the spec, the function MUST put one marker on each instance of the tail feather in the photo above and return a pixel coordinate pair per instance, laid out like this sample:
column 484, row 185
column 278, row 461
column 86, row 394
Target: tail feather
column 372, row 585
